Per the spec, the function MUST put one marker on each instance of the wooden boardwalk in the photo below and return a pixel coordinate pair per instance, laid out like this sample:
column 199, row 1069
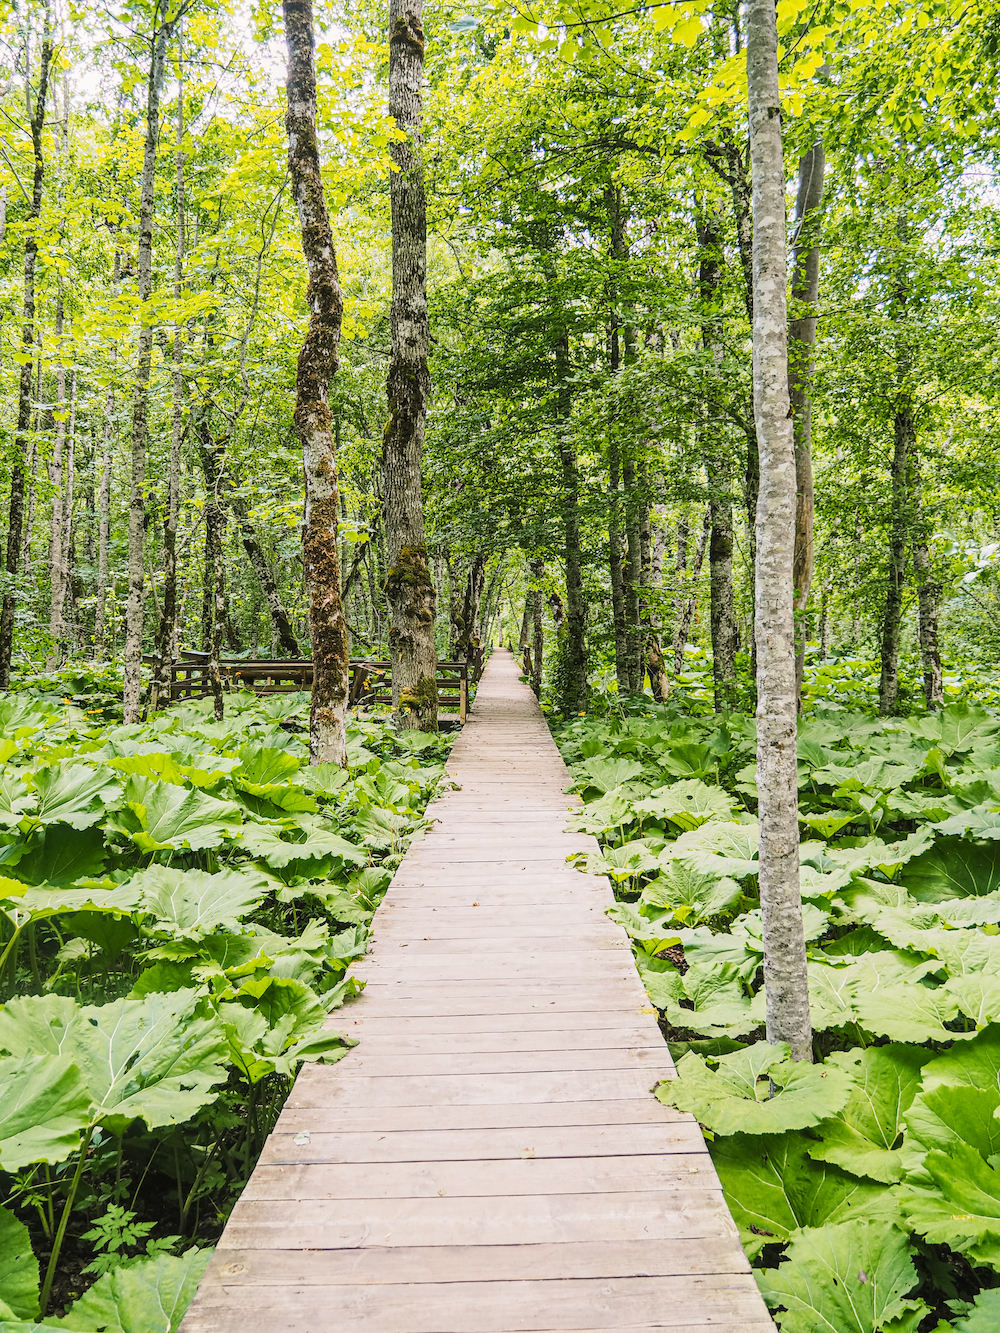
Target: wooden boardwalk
column 489, row 1158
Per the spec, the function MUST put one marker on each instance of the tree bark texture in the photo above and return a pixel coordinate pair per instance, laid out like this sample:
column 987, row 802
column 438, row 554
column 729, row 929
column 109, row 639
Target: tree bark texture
column 785, row 976
column 537, row 644
column 904, row 438
column 104, row 530
column 408, row 587
column 318, row 361
column 15, row 521
column 57, row 571
column 928, row 599
column 801, row 341
column 163, row 650
column 575, row 688
column 136, row 603
column 687, row 603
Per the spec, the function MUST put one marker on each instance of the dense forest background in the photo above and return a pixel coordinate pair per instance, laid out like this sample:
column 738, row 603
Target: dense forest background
column 590, row 460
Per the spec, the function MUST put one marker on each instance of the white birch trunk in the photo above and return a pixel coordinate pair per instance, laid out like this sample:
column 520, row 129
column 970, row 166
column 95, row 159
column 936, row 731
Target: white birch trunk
column 785, row 976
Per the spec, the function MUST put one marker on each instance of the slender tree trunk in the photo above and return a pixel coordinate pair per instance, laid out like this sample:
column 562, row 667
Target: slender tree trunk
column 802, row 339
column 136, row 605
column 15, row 520
column 719, row 470
column 318, row 361
column 69, row 487
column 163, row 649
column 615, row 563
column 104, row 531
column 408, row 587
column 575, row 690
column 57, row 572
column 686, row 605
column 655, row 660
column 904, row 437
column 631, row 574
column 929, row 596
column 785, row 976
column 537, row 645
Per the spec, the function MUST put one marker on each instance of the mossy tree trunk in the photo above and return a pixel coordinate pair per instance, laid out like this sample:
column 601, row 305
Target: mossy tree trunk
column 408, row 587
column 317, row 364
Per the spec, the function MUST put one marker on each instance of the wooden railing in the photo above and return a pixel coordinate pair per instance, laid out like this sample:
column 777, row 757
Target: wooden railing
column 370, row 679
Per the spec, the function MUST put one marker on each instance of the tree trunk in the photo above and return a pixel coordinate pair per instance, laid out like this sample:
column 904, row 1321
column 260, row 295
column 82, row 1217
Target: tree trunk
column 165, row 635
column 802, row 339
column 135, row 608
column 104, row 532
column 785, row 976
column 615, row 562
column 575, row 692
column 719, row 470
column 929, row 596
column 318, row 361
column 537, row 645
column 466, row 644
column 408, row 587
column 15, row 521
column 655, row 660
column 904, row 437
column 57, row 572
column 686, row 605
column 69, row 487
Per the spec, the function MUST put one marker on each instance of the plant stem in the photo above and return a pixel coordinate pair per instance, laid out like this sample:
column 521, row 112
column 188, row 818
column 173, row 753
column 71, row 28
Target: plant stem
column 57, row 1244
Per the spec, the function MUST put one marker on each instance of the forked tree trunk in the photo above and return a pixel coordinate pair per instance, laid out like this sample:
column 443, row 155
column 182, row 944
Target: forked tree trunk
column 318, row 361
column 408, row 586
column 785, row 976
column 15, row 521
column 802, row 339
column 136, row 604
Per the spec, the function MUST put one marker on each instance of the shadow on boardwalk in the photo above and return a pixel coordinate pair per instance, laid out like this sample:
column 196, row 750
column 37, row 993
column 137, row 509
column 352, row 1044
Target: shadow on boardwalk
column 489, row 1158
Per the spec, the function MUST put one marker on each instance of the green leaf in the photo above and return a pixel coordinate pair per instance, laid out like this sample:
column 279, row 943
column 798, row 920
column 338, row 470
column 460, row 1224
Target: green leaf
column 736, row 1098
column 689, row 894
column 687, row 804
column 73, row 794
column 984, row 1317
column 902, row 1012
column 44, row 1107
column 963, row 1211
column 606, row 774
column 148, row 1059
column 18, row 1267
column 61, row 855
column 717, row 849
column 263, row 841
column 772, row 1185
column 192, row 903
column 160, row 816
column 147, row 1296
column 263, row 766
column 850, row 1277
column 864, row 1136
column 15, row 799
column 954, row 868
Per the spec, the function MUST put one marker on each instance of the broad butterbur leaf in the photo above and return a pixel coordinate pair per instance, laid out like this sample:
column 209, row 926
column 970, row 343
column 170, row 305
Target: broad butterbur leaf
column 73, row 794
column 865, row 1135
column 606, row 774
column 192, row 903
column 954, row 868
column 44, row 1108
column 851, row 1277
column 735, row 1098
column 159, row 816
column 688, row 804
column 149, row 1296
column 18, row 1268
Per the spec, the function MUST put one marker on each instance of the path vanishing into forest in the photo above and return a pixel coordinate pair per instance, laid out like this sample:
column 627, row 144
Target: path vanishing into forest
column 489, row 1158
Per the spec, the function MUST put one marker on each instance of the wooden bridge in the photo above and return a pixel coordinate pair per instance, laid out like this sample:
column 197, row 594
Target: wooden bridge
column 489, row 1158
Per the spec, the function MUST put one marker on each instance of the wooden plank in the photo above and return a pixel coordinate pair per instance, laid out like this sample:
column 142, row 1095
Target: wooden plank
column 392, row 1120
column 300, row 1146
column 495, row 1306
column 583, row 1023
column 460, row 1043
column 341, row 1089
column 471, row 1263
column 667, row 1173
column 394, row 1064
column 529, row 1220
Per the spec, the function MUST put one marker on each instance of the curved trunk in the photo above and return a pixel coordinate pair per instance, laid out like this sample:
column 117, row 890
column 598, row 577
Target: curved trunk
column 317, row 364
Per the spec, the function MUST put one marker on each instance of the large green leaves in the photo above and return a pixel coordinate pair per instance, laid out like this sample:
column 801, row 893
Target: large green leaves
column 688, row 804
column 191, row 903
column 44, row 1107
column 18, row 1268
column 150, row 1296
column 773, row 1186
column 73, row 794
column 152, row 1059
column 865, row 1135
column 954, row 868
column 736, row 1097
column 160, row 816
column 852, row 1277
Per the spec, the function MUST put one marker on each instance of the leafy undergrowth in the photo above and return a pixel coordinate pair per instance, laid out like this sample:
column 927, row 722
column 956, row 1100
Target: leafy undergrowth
column 867, row 1187
column 179, row 904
